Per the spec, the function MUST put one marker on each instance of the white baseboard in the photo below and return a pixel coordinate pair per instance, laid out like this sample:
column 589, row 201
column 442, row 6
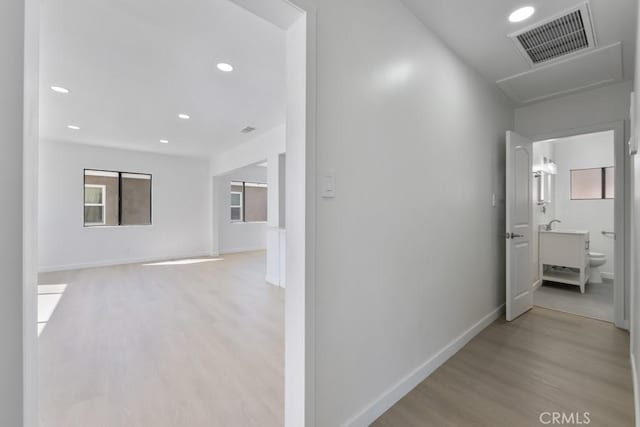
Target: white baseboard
column 392, row 395
column 607, row 276
column 241, row 249
column 272, row 280
column 112, row 262
column 636, row 389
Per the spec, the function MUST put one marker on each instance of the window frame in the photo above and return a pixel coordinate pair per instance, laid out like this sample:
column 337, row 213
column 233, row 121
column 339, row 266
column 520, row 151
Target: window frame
column 241, row 205
column 603, row 183
column 244, row 184
column 103, row 205
column 120, row 174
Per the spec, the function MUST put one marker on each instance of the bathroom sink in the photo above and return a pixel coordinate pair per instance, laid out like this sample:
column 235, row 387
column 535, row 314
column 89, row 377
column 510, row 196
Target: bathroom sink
column 565, row 231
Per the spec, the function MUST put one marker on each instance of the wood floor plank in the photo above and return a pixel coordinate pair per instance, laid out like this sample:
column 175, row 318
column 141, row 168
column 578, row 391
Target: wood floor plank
column 164, row 345
column 512, row 372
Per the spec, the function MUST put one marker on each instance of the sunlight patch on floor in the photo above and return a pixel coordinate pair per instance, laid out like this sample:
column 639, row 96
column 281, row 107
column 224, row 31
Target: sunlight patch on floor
column 183, row 261
column 48, row 298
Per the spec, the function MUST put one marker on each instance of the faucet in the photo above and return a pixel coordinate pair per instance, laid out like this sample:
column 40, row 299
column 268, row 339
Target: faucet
column 548, row 227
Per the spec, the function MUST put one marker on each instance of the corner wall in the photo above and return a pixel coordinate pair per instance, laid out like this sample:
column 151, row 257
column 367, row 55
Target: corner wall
column 12, row 54
column 181, row 198
column 410, row 253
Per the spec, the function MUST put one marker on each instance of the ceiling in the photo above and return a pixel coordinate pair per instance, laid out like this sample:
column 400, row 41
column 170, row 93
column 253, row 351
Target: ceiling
column 478, row 32
column 133, row 66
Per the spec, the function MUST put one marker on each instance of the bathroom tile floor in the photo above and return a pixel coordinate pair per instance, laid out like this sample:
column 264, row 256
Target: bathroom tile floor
column 596, row 302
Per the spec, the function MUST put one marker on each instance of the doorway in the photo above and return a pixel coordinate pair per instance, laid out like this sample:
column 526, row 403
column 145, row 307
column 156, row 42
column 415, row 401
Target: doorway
column 536, row 254
column 300, row 42
column 574, row 196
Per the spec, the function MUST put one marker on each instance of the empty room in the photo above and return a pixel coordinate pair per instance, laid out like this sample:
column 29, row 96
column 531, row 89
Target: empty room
column 196, row 228
column 161, row 183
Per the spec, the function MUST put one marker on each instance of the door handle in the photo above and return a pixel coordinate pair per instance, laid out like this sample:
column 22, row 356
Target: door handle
column 513, row 235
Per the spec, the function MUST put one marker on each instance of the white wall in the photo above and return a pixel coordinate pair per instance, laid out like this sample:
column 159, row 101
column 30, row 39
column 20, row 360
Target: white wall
column 181, row 208
column 253, row 151
column 584, row 152
column 635, row 241
column 410, row 252
column 11, row 145
column 239, row 236
column 601, row 105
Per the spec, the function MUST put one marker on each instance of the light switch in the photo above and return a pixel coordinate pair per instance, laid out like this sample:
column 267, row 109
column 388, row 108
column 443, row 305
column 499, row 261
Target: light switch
column 328, row 186
column 493, row 200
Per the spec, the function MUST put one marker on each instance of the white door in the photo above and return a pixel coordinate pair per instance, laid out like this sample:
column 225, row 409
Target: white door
column 520, row 261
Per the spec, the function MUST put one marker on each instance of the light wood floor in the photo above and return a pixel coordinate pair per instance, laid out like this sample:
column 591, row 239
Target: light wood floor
column 512, row 372
column 163, row 345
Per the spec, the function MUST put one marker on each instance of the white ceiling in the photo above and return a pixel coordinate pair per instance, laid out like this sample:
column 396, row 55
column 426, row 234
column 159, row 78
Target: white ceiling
column 132, row 66
column 478, row 30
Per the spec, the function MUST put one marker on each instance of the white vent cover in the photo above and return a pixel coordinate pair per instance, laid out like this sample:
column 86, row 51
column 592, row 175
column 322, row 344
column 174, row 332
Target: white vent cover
column 564, row 34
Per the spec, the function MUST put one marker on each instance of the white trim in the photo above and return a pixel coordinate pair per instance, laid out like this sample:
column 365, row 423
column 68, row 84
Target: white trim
column 103, row 205
column 636, row 388
column 272, row 280
column 396, row 392
column 607, row 275
column 93, row 172
column 123, row 261
column 136, row 176
column 240, row 249
column 232, row 206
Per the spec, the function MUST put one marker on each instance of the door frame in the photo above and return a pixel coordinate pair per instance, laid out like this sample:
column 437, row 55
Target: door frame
column 622, row 218
column 301, row 218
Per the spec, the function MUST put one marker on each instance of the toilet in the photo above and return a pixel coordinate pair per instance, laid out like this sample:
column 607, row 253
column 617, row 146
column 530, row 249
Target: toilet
column 596, row 260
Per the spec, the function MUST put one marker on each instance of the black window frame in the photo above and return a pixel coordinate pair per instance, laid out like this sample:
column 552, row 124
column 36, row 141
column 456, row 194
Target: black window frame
column 244, row 204
column 603, row 182
column 120, row 173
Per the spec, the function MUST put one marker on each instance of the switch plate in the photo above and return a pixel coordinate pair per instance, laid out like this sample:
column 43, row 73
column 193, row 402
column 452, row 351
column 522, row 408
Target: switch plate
column 328, row 186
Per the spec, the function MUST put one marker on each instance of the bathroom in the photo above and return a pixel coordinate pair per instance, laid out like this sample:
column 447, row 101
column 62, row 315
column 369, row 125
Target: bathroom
column 574, row 214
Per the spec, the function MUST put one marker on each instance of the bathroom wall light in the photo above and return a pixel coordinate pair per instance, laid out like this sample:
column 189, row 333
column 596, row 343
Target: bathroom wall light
column 164, row 141
column 73, row 127
column 184, row 116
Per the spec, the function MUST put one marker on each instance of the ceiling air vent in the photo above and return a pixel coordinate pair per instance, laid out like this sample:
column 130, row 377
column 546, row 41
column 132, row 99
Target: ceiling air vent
column 564, row 34
column 248, row 129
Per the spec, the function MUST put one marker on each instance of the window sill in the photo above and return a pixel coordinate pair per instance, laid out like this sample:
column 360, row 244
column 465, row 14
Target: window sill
column 100, row 227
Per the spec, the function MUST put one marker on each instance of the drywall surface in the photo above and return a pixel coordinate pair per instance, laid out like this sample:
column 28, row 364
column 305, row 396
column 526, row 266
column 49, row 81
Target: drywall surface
column 410, row 252
column 635, row 243
column 239, row 236
column 601, row 105
column 181, row 200
column 257, row 150
column 12, row 44
column 585, row 152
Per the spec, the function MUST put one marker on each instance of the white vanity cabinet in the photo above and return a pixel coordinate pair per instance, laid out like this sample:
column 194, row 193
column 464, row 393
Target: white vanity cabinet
column 564, row 257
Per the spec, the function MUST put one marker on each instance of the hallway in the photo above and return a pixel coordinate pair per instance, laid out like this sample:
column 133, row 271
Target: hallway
column 511, row 373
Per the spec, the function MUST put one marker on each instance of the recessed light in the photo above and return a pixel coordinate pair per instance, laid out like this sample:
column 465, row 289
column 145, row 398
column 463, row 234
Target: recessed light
column 60, row 89
column 184, row 116
column 521, row 14
column 227, row 68
column 164, row 141
column 73, row 127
